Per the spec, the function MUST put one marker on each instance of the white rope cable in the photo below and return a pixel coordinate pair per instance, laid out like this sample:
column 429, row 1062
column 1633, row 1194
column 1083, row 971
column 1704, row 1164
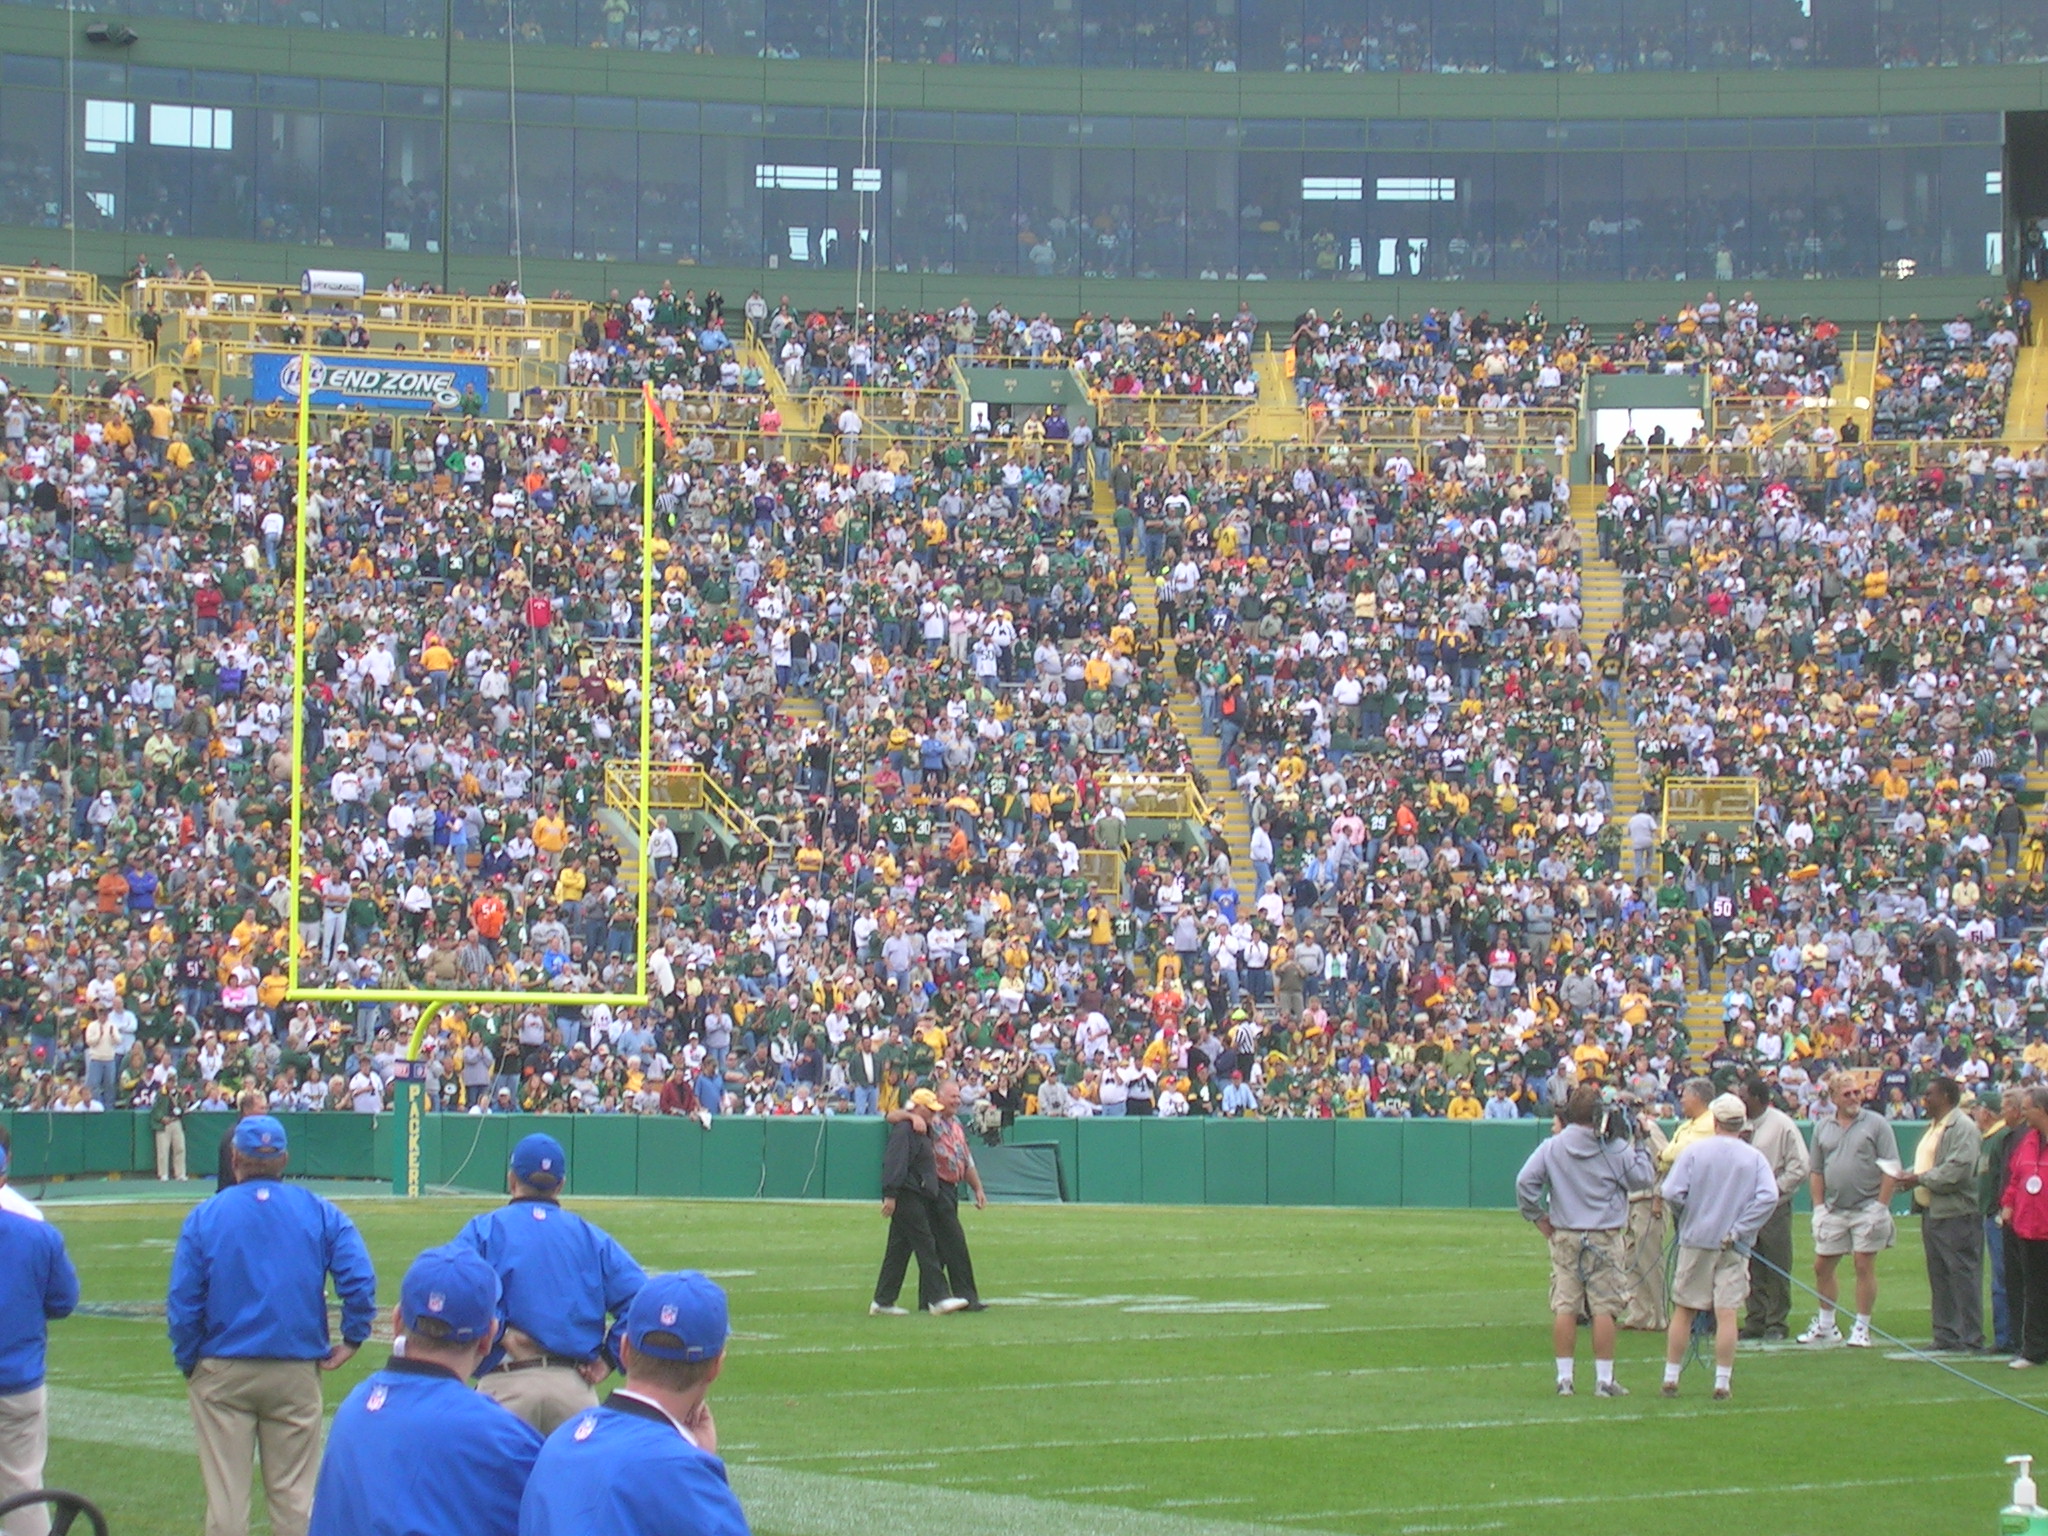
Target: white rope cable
column 512, row 92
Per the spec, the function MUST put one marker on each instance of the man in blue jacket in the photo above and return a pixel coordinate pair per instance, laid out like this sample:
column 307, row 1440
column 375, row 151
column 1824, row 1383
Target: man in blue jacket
column 248, row 1321
column 37, row 1283
column 646, row 1463
column 374, row 1479
column 561, row 1275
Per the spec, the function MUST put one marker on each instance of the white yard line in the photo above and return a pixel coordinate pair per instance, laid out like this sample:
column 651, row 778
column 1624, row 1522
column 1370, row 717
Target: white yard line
column 1615, row 1496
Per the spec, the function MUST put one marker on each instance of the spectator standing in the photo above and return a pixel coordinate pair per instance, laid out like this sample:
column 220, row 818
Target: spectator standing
column 2023, row 1206
column 248, row 1324
column 1575, row 1187
column 1724, row 1191
column 1852, row 1196
column 561, row 1276
column 2001, row 1119
column 1943, row 1180
column 37, row 1284
column 1776, row 1135
column 167, row 1128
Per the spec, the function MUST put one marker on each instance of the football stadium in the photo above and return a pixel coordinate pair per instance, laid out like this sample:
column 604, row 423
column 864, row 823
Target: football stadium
column 1217, row 768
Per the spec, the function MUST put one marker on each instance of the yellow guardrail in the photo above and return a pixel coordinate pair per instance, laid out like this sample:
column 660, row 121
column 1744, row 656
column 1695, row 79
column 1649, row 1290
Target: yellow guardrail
column 459, row 311
column 1157, row 796
column 1103, row 869
column 100, row 354
column 1175, row 418
column 47, row 285
column 678, row 787
column 1795, row 460
column 264, row 329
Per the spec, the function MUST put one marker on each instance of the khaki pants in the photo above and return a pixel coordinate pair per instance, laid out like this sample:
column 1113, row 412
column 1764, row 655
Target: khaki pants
column 1645, row 1262
column 543, row 1396
column 241, row 1408
column 24, row 1442
column 170, row 1150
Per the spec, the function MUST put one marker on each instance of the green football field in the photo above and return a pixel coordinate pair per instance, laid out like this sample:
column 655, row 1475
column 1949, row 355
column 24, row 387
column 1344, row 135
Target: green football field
column 1157, row 1372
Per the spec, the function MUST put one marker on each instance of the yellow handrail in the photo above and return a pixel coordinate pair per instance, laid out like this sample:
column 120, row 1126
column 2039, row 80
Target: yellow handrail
column 679, row 787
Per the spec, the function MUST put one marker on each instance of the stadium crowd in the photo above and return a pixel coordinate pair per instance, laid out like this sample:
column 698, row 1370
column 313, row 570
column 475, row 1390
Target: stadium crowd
column 925, row 681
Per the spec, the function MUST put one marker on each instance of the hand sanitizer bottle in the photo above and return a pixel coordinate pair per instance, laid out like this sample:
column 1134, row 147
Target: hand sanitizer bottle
column 2022, row 1517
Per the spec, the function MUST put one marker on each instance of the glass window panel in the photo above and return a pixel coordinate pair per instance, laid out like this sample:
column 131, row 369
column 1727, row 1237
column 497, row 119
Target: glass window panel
column 1655, row 133
column 917, row 212
column 1525, row 34
column 480, row 156
column 985, row 127
column 736, row 30
column 732, row 203
column 1590, row 35
column 1101, row 132
column 1466, row 227
column 1462, row 34
column 1851, row 132
column 1787, row 216
column 1590, row 217
column 1411, row 208
column 147, row 84
column 1271, row 133
column 1845, row 201
column 1455, row 135
column 670, row 199
column 1718, row 221
column 413, row 100
column 351, row 181
column 1106, row 220
column 606, row 184
column 799, row 29
column 667, row 26
column 543, row 107
column 1270, row 32
column 288, row 177
column 923, row 32
column 1525, row 219
column 1774, row 131
column 1049, row 210
column 808, row 122
column 487, row 106
column 1780, row 37
column 1335, row 221
column 1214, row 132
column 21, row 69
column 604, row 111
column 1971, row 32
column 1654, row 34
column 287, row 91
column 987, row 32
column 1971, row 128
column 352, row 95
column 1389, row 133
column 1159, row 224
column 1909, row 204
column 1587, row 135
column 1269, row 216
column 1159, row 130
column 1968, row 215
column 1717, row 133
column 669, row 116
column 720, row 117
column 1213, row 35
column 1335, row 133
column 985, row 214
column 1049, row 34
column 412, row 186
column 93, row 78
column 1211, row 214
column 32, row 161
column 1653, row 233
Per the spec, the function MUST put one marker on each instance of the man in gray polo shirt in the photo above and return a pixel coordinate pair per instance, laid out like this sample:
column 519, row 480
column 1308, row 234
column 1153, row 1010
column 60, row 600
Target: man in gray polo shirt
column 1852, row 1197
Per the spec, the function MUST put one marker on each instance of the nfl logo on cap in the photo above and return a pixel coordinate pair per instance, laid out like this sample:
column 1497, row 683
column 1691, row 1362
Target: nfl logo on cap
column 436, row 1302
column 668, row 1317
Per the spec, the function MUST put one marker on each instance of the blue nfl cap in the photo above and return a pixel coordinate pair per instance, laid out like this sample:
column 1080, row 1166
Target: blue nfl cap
column 4, row 1159
column 454, row 1286
column 678, row 1316
column 260, row 1136
column 540, row 1160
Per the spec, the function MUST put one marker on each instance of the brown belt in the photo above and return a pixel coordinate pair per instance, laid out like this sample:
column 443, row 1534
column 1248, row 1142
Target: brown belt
column 559, row 1362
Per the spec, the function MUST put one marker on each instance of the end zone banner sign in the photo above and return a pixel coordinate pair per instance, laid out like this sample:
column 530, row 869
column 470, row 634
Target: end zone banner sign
column 368, row 383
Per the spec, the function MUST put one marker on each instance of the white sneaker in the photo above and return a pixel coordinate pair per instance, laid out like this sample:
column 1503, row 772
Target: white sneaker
column 1859, row 1338
column 950, row 1304
column 876, row 1309
column 1818, row 1332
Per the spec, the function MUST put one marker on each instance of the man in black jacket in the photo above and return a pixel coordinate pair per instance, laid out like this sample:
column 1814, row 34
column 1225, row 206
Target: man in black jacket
column 910, row 1189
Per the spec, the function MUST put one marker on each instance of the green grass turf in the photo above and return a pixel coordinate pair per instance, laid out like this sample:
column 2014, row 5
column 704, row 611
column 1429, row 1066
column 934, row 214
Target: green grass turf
column 1224, row 1369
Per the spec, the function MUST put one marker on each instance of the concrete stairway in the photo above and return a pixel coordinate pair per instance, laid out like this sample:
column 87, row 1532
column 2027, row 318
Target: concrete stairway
column 1204, row 749
column 2026, row 411
column 1600, row 596
column 1279, row 417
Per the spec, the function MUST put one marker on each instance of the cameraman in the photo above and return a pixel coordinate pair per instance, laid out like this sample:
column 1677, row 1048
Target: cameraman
column 1575, row 1188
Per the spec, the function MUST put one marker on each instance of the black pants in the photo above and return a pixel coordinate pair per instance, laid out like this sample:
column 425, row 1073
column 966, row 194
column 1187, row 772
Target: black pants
column 1770, row 1293
column 2030, row 1323
column 952, row 1241
column 910, row 1232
